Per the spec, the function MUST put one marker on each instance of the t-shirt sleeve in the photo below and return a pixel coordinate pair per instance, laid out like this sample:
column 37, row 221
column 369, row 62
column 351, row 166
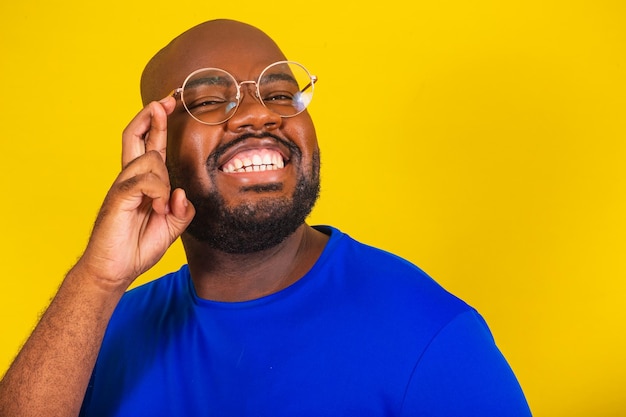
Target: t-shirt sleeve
column 463, row 373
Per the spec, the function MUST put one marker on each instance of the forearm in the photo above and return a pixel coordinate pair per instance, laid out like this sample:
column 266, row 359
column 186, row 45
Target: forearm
column 50, row 375
column 139, row 220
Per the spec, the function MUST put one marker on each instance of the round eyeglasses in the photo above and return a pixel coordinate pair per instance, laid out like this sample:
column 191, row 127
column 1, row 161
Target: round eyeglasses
column 212, row 95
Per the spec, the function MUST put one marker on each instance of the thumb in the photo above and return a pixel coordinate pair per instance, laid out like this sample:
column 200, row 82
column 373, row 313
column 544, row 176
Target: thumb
column 181, row 213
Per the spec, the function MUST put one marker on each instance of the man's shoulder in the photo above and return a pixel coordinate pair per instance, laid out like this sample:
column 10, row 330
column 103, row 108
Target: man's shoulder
column 157, row 294
column 352, row 249
column 389, row 279
column 373, row 261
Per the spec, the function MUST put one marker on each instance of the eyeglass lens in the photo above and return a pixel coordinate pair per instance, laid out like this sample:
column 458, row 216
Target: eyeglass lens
column 211, row 95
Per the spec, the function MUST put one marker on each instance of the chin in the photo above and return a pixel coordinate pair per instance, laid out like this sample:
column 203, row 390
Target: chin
column 258, row 223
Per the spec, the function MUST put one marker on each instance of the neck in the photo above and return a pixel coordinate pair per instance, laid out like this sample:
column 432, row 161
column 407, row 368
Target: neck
column 221, row 276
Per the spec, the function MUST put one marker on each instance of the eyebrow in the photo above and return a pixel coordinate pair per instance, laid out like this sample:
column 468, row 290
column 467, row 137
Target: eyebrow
column 213, row 80
column 279, row 76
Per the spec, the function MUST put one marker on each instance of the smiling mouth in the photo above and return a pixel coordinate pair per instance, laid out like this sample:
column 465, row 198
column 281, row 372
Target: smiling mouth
column 254, row 160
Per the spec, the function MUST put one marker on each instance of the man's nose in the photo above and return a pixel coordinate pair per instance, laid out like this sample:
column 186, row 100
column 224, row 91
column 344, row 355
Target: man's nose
column 252, row 113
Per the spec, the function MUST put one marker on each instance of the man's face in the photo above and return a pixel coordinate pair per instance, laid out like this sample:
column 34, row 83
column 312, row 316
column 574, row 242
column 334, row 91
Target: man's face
column 250, row 209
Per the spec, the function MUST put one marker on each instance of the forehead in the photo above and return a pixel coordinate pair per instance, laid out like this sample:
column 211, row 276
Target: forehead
column 243, row 51
column 239, row 61
column 238, row 48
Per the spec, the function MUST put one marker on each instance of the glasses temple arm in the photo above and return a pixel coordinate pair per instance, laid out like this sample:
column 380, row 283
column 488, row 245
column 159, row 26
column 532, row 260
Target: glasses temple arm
column 176, row 93
column 313, row 81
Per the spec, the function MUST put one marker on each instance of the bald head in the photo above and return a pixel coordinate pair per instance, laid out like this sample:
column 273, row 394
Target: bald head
column 216, row 43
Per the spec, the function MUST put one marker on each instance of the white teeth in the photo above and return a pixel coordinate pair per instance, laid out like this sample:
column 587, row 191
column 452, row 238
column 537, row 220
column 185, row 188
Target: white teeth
column 266, row 161
column 278, row 162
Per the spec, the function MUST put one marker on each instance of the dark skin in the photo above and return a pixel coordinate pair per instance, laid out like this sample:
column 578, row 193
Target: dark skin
column 141, row 216
column 218, row 275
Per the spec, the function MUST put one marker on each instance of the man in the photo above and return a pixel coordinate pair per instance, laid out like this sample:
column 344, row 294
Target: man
column 271, row 317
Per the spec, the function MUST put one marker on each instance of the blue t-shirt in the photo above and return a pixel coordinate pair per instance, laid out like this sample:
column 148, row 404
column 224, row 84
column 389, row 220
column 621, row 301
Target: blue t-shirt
column 363, row 333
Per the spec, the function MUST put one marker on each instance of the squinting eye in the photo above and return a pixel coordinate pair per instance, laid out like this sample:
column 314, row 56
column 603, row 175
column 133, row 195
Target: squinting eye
column 208, row 102
column 279, row 97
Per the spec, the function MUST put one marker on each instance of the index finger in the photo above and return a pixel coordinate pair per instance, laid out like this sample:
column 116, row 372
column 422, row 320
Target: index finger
column 147, row 131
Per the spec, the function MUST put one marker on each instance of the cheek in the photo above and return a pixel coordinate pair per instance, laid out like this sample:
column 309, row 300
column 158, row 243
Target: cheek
column 303, row 132
column 188, row 148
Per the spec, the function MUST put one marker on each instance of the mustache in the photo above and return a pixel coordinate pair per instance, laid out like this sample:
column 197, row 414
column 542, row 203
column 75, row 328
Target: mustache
column 222, row 149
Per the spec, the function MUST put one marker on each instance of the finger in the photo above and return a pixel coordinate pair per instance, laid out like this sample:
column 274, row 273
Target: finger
column 182, row 212
column 148, row 162
column 181, row 207
column 133, row 137
column 156, row 139
column 147, row 131
column 133, row 192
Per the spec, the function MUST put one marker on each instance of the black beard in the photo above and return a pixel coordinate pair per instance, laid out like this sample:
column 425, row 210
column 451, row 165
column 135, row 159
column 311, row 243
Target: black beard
column 253, row 227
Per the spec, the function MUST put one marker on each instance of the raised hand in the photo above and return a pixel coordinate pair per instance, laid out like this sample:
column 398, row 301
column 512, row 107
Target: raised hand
column 139, row 218
column 138, row 221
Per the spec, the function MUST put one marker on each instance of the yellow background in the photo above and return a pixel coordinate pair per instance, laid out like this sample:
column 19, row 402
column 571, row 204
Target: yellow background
column 483, row 140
